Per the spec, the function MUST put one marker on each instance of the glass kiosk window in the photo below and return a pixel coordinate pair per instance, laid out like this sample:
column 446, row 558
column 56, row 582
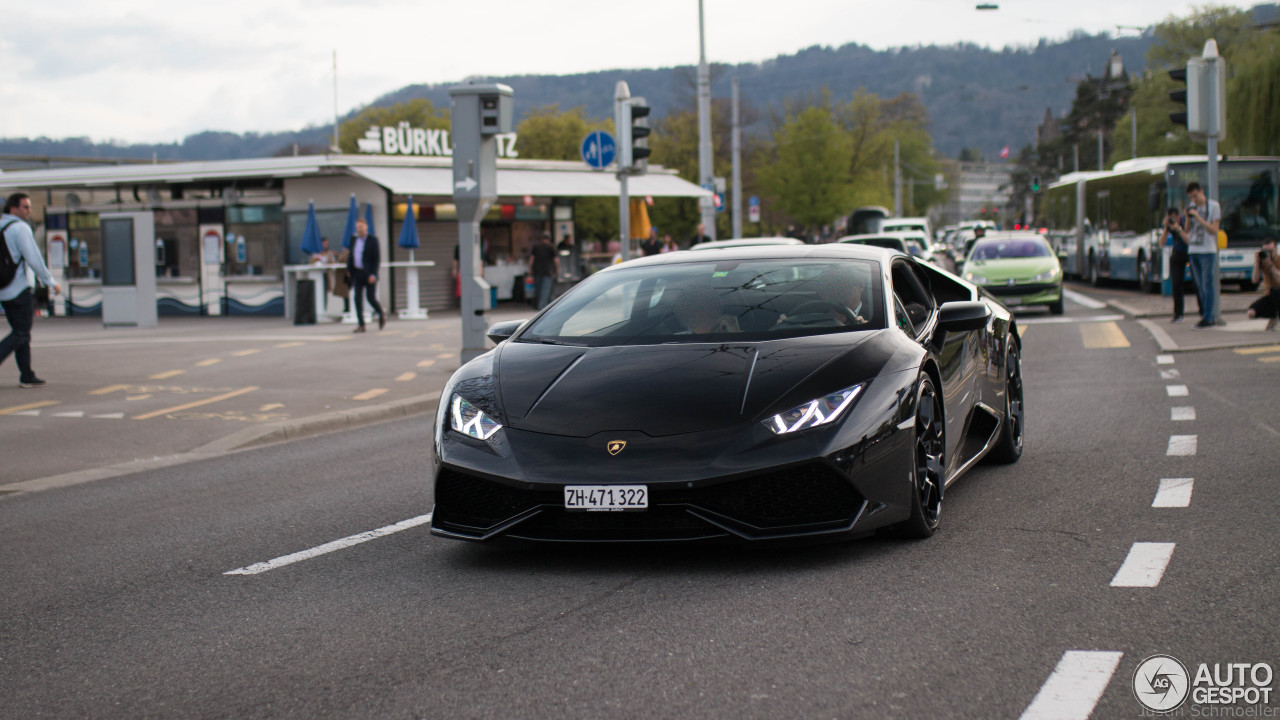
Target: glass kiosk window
column 117, row 255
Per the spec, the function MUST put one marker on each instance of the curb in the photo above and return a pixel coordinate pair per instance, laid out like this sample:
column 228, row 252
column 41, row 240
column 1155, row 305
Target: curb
column 315, row 424
column 240, row 440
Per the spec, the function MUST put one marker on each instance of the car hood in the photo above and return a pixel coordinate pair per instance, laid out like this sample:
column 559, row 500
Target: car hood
column 1000, row 271
column 675, row 388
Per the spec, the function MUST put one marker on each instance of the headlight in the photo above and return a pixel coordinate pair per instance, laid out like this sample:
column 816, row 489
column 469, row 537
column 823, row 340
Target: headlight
column 1046, row 276
column 813, row 413
column 975, row 279
column 470, row 421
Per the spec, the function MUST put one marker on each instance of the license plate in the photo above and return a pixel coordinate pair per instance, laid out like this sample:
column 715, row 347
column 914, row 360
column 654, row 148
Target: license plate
column 606, row 498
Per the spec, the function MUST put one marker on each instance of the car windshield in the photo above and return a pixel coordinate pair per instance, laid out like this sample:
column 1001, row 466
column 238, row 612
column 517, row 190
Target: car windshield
column 715, row 301
column 1003, row 249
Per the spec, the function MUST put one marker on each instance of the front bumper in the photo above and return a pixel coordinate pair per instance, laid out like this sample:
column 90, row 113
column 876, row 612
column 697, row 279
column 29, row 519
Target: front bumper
column 1027, row 293
column 725, row 484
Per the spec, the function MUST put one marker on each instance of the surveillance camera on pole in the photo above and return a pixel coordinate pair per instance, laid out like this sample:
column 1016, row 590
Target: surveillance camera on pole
column 479, row 114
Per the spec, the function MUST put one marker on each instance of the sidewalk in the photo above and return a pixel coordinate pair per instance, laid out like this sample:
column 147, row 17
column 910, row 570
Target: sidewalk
column 1154, row 312
column 122, row 399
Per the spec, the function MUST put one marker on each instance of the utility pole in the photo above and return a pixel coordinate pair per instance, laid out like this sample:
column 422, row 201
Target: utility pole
column 1100, row 167
column 1133, row 117
column 1075, row 154
column 897, row 182
column 336, row 147
column 622, row 92
column 737, row 164
column 706, row 173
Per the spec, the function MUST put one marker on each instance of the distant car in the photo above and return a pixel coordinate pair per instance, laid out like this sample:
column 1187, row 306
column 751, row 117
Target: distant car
column 904, row 224
column 746, row 242
column 913, row 243
column 1019, row 268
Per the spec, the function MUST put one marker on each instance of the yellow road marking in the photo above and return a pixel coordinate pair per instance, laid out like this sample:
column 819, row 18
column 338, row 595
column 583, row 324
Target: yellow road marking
column 198, row 403
column 166, row 374
column 1270, row 359
column 1103, row 335
column 243, row 353
column 406, row 377
column 371, row 394
column 1258, row 350
column 28, row 406
column 445, row 356
column 426, row 363
column 270, row 406
column 436, row 346
column 131, row 398
column 108, row 389
column 289, row 344
column 210, row 361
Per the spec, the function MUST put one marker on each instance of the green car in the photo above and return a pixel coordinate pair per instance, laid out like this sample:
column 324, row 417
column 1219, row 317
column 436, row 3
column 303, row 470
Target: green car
column 1018, row 268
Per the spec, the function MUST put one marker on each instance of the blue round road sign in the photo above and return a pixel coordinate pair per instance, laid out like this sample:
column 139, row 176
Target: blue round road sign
column 598, row 149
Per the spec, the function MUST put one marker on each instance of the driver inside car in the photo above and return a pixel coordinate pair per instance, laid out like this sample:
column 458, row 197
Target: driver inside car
column 839, row 297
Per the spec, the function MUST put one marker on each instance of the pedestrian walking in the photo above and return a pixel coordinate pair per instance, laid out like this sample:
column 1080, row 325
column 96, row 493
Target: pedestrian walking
column 544, row 268
column 1176, row 238
column 1267, row 272
column 21, row 253
column 362, row 272
column 1203, row 219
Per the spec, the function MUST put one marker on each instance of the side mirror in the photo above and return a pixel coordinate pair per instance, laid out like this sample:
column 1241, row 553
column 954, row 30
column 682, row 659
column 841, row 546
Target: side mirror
column 963, row 315
column 503, row 330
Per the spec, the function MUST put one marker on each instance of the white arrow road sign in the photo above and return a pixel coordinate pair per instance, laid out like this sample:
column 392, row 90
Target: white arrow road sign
column 466, row 185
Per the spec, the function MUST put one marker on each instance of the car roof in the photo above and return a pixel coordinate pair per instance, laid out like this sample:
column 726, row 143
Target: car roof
column 746, row 242
column 833, row 251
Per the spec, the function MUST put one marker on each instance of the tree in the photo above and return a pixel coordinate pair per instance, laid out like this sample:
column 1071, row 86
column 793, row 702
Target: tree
column 546, row 133
column 809, row 177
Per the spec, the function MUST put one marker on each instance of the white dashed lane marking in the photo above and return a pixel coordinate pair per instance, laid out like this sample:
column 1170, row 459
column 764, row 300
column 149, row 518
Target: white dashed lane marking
column 1177, row 390
column 1073, row 689
column 1171, row 374
column 329, row 547
column 1164, row 359
column 1181, row 445
column 1182, row 414
column 1081, row 299
column 1173, row 492
column 1144, row 566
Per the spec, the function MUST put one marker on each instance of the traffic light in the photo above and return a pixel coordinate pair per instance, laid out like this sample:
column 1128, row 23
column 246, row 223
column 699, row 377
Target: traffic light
column 1187, row 97
column 633, row 136
column 1035, row 183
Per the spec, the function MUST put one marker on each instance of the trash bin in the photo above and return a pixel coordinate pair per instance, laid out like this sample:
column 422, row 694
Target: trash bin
column 304, row 305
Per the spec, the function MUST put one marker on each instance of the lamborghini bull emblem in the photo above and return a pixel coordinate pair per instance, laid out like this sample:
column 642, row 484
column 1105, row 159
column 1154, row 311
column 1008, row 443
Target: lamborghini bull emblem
column 616, row 446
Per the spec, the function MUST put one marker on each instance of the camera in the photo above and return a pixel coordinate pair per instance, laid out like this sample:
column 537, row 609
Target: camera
column 1263, row 255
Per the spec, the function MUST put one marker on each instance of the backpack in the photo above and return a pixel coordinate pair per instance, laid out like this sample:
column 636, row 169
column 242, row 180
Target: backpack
column 8, row 266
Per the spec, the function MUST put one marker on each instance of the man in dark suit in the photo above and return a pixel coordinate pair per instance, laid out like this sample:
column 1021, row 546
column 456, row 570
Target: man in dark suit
column 362, row 269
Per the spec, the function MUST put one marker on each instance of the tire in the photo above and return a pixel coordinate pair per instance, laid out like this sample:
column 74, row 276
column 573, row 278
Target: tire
column 1056, row 307
column 929, row 464
column 1144, row 276
column 1009, row 448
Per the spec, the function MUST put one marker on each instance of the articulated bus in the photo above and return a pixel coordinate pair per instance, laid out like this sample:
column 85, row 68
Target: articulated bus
column 1107, row 225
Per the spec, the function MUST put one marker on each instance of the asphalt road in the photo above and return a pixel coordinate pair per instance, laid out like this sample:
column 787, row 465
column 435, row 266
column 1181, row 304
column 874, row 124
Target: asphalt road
column 116, row 602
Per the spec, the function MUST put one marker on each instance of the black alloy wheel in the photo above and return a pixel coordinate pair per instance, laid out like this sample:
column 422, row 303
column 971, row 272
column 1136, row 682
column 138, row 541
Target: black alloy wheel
column 930, row 449
column 1009, row 448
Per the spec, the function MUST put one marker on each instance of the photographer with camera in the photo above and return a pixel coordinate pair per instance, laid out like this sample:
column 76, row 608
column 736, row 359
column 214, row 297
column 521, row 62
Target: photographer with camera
column 1176, row 236
column 1266, row 272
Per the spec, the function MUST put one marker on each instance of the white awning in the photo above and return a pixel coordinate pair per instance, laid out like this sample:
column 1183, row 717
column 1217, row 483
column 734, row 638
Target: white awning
column 438, row 181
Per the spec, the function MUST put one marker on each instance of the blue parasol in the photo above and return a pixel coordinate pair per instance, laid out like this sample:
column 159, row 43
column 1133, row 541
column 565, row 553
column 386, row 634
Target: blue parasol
column 311, row 234
column 349, row 230
column 409, row 231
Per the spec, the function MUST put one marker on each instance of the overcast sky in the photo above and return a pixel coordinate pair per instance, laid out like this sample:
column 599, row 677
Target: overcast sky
column 149, row 71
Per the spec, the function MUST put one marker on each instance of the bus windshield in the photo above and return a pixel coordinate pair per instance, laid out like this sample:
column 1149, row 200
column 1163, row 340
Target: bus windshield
column 1246, row 192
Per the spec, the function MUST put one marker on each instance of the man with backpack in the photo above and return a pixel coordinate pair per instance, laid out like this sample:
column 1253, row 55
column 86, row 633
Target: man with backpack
column 17, row 249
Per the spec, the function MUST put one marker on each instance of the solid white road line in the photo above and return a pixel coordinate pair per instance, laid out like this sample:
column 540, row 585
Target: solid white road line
column 1164, row 359
column 1071, row 320
column 1173, row 492
column 1182, row 414
column 1084, row 300
column 1073, row 689
column 1181, row 445
column 1177, row 390
column 1144, row 566
column 1170, row 374
column 329, row 547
